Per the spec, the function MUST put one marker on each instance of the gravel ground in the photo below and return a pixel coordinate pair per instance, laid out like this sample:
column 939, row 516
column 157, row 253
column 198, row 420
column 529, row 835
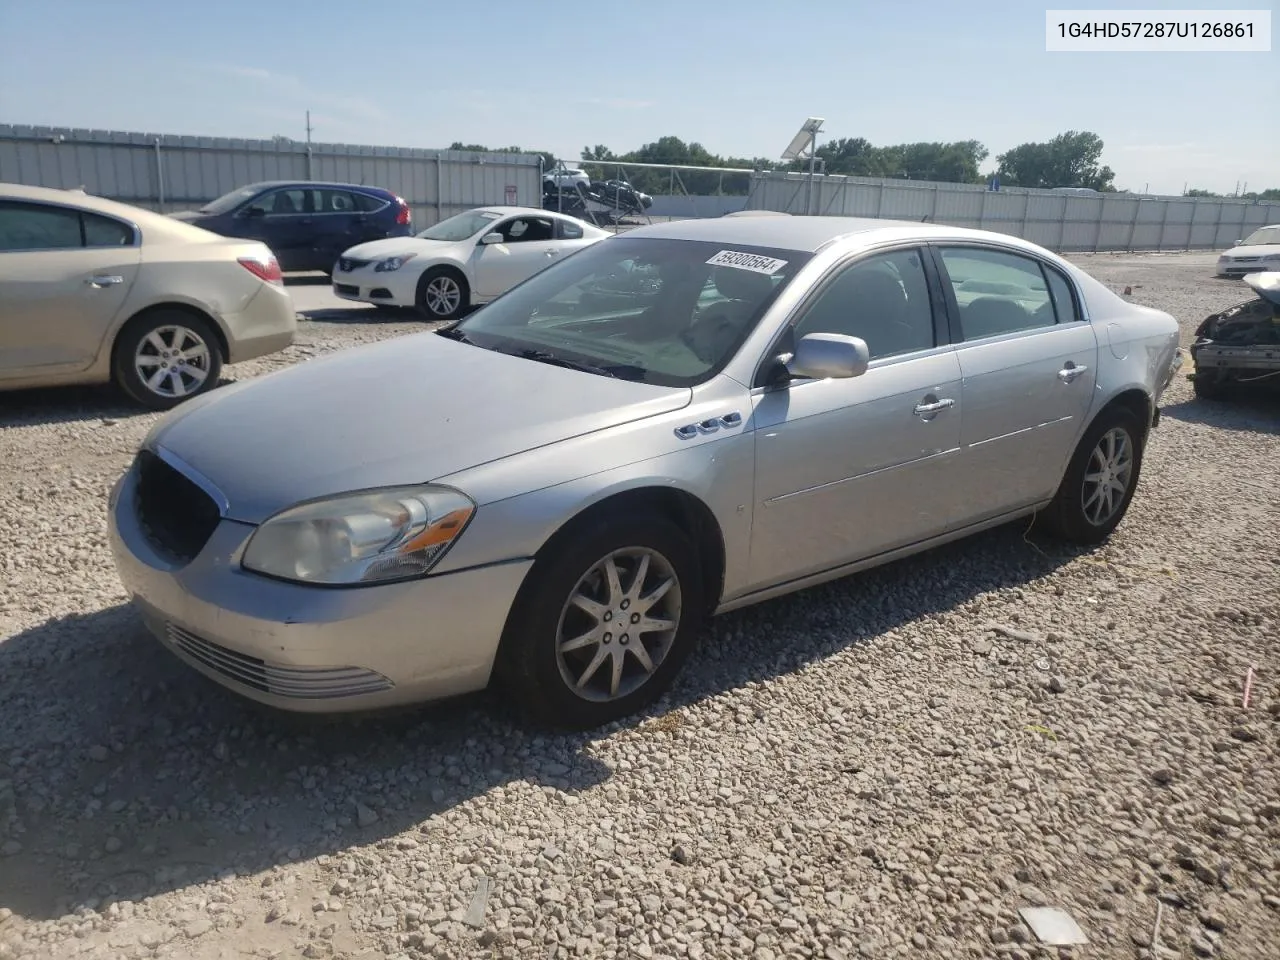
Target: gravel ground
column 890, row 765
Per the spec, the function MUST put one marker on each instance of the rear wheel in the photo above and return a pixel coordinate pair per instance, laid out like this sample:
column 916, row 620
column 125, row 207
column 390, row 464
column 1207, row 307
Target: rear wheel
column 165, row 357
column 604, row 623
column 442, row 294
column 1100, row 480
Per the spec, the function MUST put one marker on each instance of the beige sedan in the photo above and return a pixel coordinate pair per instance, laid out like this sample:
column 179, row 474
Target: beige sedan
column 93, row 291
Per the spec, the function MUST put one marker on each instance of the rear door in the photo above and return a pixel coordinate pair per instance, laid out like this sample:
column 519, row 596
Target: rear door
column 529, row 245
column 337, row 224
column 65, row 275
column 1029, row 360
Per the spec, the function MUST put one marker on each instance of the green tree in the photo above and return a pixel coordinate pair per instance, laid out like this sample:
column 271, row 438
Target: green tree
column 1202, row 193
column 1070, row 159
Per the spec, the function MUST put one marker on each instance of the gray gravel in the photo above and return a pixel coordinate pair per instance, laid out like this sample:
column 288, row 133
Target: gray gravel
column 890, row 765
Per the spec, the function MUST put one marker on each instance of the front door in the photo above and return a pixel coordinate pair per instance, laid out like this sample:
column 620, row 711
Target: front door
column 286, row 225
column 848, row 469
column 64, row 277
column 529, row 245
column 1029, row 361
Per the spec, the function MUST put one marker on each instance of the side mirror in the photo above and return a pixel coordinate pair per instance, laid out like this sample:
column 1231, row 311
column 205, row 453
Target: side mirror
column 492, row 238
column 253, row 212
column 823, row 356
column 1237, row 243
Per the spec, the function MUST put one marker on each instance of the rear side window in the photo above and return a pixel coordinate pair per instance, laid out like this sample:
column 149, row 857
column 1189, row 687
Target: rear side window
column 568, row 230
column 1063, row 302
column 35, row 226
column 105, row 232
column 367, row 203
column 997, row 292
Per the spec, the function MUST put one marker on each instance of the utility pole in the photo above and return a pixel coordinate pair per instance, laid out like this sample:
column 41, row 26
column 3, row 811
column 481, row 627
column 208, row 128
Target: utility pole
column 309, row 176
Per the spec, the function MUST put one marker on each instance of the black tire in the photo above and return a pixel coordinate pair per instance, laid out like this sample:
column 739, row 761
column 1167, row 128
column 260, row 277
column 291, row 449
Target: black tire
column 1069, row 516
column 429, row 306
column 1210, row 386
column 530, row 668
column 174, row 329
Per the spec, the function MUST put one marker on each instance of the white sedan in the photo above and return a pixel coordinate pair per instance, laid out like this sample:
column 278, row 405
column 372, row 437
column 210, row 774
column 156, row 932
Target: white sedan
column 1256, row 253
column 465, row 260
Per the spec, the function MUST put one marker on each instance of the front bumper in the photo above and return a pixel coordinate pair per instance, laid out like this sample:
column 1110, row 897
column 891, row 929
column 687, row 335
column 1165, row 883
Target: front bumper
column 1239, row 268
column 364, row 285
column 313, row 649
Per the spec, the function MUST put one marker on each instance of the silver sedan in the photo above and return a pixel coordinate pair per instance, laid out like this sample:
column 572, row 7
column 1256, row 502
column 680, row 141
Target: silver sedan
column 554, row 493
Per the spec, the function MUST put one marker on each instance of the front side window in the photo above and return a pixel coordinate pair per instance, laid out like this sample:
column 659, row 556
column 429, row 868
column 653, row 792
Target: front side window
column 461, row 227
column 997, row 292
column 527, row 230
column 283, row 203
column 34, row 226
column 669, row 312
column 882, row 299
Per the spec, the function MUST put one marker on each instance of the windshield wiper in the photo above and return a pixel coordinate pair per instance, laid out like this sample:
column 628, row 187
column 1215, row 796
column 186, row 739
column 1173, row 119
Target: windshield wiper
column 615, row 370
column 453, row 333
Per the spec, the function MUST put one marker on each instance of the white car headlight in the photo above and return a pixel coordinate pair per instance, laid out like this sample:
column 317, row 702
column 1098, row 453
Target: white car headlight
column 393, row 263
column 361, row 538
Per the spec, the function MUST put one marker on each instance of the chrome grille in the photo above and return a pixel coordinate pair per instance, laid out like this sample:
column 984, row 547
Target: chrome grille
column 301, row 683
column 347, row 264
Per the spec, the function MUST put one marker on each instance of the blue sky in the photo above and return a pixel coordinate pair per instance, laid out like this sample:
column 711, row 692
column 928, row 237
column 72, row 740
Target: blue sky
column 739, row 77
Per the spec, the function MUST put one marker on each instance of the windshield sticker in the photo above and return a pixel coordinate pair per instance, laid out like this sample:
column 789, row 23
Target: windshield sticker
column 747, row 261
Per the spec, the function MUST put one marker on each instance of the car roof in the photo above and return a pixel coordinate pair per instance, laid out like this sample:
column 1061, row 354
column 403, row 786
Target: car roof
column 263, row 184
column 503, row 211
column 811, row 233
column 155, row 227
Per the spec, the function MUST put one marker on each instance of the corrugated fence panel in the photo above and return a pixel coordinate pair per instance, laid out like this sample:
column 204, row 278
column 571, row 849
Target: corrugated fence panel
column 1057, row 220
column 189, row 171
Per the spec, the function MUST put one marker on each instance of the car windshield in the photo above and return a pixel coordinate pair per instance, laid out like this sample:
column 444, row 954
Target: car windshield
column 668, row 312
column 1267, row 235
column 229, row 201
column 461, row 227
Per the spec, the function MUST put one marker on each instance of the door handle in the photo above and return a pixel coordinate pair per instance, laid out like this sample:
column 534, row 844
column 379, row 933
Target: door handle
column 924, row 409
column 552, row 253
column 100, row 280
column 1070, row 373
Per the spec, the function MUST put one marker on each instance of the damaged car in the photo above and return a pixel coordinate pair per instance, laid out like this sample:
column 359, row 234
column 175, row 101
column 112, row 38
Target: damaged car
column 1240, row 344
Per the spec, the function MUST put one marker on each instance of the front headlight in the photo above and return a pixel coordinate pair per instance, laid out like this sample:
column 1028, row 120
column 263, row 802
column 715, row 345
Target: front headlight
column 372, row 537
column 393, row 263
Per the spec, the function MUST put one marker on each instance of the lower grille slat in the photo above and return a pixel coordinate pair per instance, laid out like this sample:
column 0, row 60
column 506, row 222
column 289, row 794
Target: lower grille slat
column 301, row 683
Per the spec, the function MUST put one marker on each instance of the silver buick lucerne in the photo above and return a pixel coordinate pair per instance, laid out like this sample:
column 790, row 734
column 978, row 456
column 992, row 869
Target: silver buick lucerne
column 556, row 491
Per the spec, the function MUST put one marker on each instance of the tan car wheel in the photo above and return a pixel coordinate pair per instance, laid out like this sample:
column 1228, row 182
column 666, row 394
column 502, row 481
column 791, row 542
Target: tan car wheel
column 166, row 357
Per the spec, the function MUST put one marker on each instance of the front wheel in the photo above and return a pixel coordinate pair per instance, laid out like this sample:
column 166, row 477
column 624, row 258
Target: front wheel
column 1100, row 480
column 442, row 294
column 604, row 623
column 165, row 357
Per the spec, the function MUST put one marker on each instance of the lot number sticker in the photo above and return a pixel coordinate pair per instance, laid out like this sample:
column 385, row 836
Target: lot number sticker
column 747, row 261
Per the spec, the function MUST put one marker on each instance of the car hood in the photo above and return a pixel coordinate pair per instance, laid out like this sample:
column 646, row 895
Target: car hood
column 187, row 216
column 403, row 411
column 1267, row 284
column 398, row 246
column 1255, row 250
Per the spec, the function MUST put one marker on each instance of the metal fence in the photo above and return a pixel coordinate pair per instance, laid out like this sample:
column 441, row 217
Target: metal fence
column 168, row 173
column 1059, row 221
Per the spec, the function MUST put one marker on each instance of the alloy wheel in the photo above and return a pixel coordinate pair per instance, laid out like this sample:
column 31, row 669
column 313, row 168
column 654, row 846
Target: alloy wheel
column 1107, row 476
column 442, row 296
column 172, row 361
column 618, row 625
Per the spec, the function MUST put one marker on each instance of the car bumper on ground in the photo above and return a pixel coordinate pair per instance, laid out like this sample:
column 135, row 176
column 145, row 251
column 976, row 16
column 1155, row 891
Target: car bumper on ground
column 312, row 649
column 267, row 324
